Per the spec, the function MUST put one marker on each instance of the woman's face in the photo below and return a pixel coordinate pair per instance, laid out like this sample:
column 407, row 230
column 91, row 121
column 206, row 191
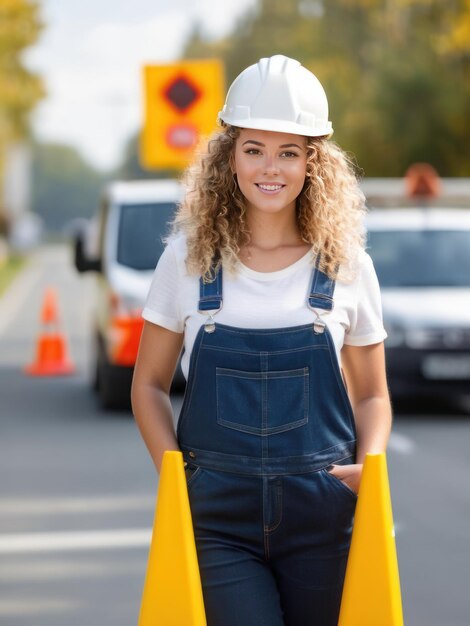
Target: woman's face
column 270, row 169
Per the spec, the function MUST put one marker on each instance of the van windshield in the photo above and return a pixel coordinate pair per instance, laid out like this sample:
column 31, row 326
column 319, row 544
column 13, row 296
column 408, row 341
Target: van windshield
column 141, row 229
column 421, row 258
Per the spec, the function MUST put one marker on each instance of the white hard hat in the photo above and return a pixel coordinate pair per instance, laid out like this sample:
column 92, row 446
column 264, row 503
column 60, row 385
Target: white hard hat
column 278, row 94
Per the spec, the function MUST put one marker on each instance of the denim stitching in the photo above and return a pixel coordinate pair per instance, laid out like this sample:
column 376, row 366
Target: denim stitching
column 263, row 376
column 272, row 528
column 265, row 534
column 313, row 286
column 264, row 331
column 345, row 444
column 194, row 475
column 238, row 462
column 340, row 383
column 262, row 432
column 271, row 353
column 209, row 298
column 264, row 366
column 186, row 404
column 307, row 395
column 321, row 296
column 274, row 374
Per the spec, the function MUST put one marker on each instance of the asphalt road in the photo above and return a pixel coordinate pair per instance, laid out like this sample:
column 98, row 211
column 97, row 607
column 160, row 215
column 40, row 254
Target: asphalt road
column 77, row 488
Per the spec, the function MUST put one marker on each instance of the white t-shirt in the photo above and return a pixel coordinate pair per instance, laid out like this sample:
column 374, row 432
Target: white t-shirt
column 264, row 300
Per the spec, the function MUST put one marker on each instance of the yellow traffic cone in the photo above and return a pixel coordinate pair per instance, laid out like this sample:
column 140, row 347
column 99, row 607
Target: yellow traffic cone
column 371, row 594
column 172, row 594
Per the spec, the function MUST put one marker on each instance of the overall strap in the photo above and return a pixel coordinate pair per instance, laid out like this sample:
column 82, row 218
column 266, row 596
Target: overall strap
column 210, row 294
column 321, row 291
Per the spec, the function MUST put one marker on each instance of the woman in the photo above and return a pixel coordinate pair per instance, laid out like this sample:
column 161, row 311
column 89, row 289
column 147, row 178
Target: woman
column 266, row 284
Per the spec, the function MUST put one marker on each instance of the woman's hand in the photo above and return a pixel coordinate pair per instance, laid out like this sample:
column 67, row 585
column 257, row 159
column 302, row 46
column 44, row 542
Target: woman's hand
column 350, row 475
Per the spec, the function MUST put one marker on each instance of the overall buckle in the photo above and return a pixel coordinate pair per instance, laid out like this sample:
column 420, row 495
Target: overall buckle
column 318, row 325
column 209, row 324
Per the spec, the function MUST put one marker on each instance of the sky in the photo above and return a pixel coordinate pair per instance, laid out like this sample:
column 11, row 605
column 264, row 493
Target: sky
column 90, row 56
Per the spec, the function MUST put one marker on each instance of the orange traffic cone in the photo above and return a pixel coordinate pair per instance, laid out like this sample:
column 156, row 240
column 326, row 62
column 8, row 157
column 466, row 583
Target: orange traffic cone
column 51, row 350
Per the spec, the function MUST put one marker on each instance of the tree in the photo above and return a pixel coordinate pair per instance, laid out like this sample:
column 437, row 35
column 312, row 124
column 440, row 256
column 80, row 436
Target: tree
column 20, row 89
column 396, row 73
column 65, row 186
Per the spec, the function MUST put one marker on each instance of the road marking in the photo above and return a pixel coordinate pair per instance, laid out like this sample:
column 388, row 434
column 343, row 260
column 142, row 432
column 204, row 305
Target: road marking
column 94, row 504
column 72, row 540
column 35, row 606
column 401, row 444
column 67, row 568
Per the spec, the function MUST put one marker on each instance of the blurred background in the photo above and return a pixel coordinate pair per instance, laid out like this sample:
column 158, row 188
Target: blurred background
column 84, row 203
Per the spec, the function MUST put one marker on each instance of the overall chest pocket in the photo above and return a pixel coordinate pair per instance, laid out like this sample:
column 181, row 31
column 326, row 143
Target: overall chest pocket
column 262, row 403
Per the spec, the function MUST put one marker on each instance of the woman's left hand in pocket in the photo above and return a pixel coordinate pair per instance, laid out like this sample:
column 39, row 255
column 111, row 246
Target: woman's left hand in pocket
column 350, row 475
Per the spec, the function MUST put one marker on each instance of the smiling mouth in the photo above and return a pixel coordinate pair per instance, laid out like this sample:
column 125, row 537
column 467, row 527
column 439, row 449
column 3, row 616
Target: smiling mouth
column 270, row 188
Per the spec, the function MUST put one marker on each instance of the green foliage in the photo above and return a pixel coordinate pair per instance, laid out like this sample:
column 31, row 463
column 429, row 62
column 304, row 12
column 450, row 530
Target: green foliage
column 65, row 186
column 396, row 73
column 20, row 89
column 9, row 269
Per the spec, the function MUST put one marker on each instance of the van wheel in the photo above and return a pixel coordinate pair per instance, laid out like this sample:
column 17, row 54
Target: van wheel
column 104, row 384
column 113, row 383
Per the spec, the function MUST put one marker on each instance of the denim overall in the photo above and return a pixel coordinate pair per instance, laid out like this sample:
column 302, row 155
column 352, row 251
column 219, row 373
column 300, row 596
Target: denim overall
column 264, row 414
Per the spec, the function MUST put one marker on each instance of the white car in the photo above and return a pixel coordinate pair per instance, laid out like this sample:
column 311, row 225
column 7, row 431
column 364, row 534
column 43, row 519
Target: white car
column 422, row 259
column 132, row 221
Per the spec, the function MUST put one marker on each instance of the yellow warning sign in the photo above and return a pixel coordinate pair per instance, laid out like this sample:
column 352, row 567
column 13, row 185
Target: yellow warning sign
column 181, row 103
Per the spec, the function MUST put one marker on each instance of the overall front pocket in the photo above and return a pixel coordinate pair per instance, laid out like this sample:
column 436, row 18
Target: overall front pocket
column 192, row 472
column 262, row 403
column 339, row 483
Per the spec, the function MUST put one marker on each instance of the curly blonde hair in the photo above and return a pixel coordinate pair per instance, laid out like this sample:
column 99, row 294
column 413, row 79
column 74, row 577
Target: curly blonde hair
column 330, row 208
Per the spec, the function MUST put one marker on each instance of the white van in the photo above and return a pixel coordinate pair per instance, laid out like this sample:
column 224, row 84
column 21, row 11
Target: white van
column 422, row 259
column 132, row 221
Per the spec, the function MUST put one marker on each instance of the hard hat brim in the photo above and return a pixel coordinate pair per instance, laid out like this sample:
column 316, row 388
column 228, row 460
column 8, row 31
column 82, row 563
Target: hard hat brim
column 278, row 126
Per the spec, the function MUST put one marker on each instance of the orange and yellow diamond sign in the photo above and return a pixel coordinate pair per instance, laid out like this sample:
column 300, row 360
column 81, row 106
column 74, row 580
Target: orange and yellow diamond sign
column 181, row 103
